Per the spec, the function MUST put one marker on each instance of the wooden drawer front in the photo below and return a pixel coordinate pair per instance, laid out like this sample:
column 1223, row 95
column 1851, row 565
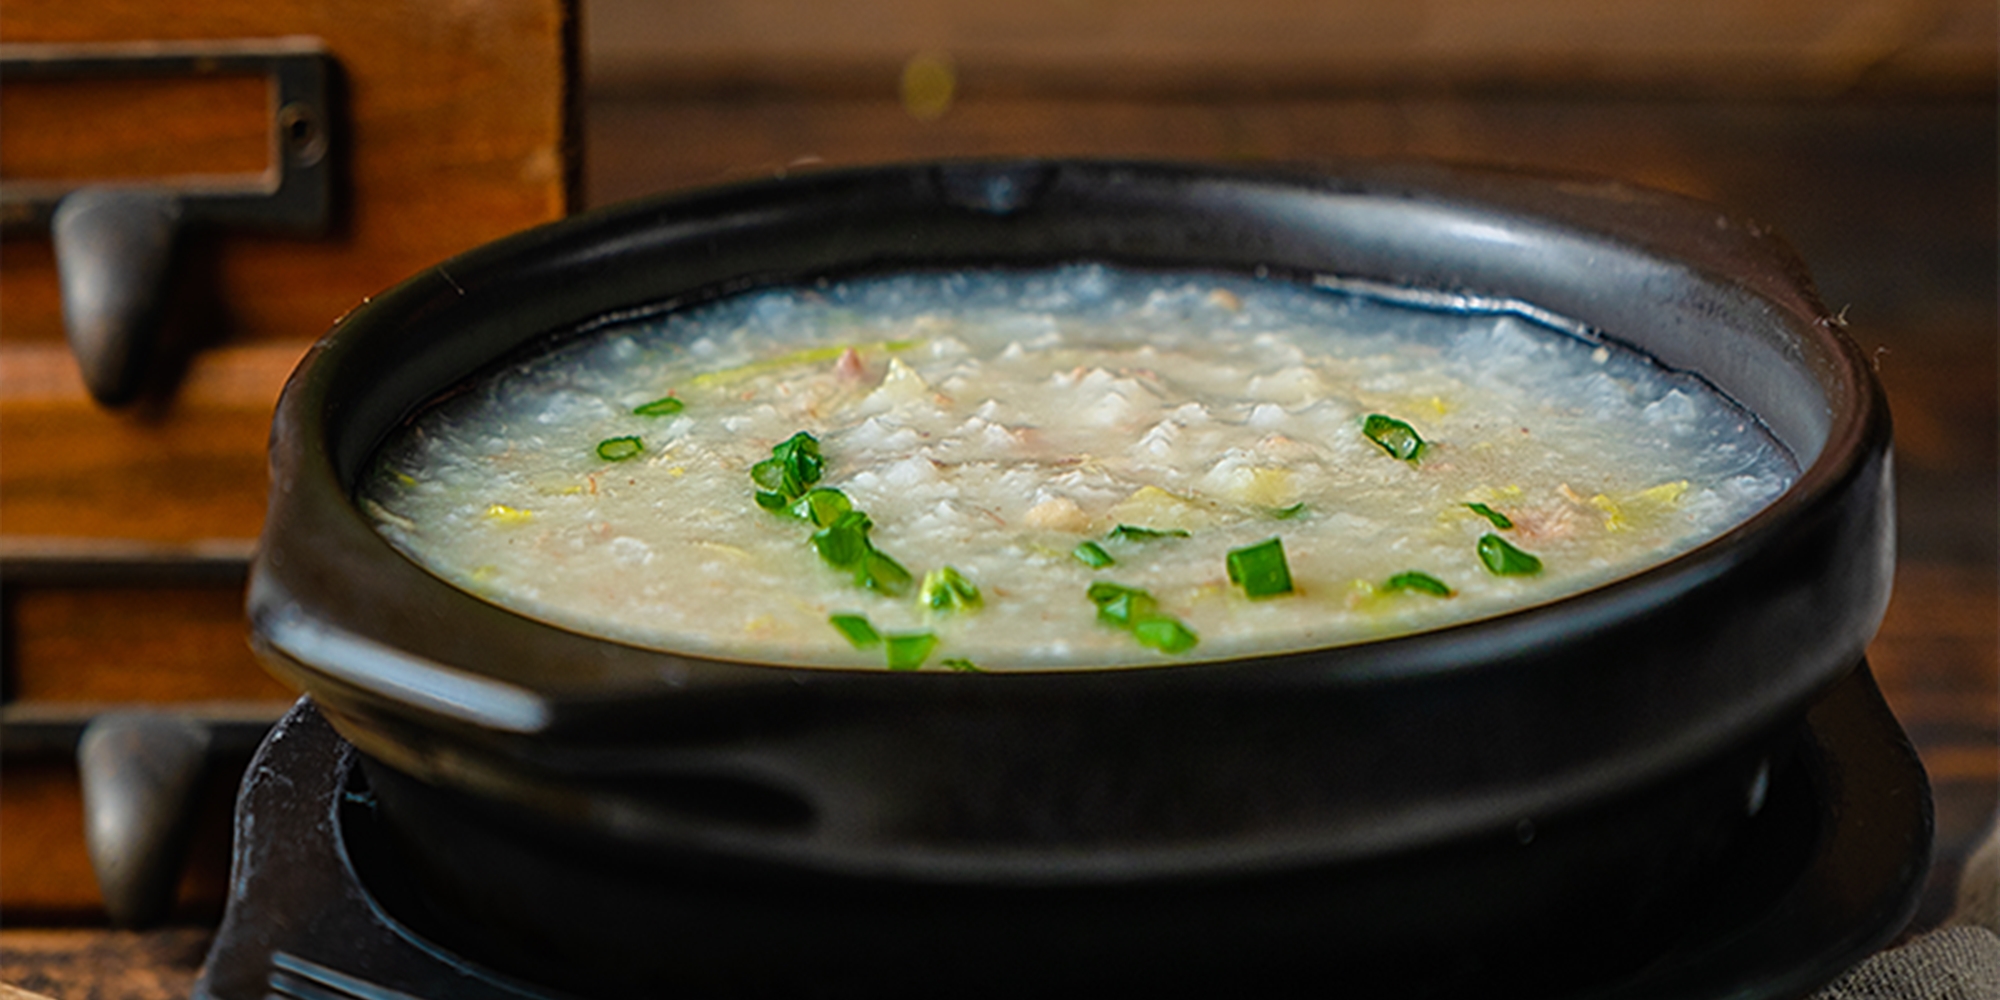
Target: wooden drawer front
column 451, row 129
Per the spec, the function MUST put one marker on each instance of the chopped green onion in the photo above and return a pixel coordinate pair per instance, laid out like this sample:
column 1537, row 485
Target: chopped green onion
column 821, row 506
column 1260, row 569
column 1492, row 516
column 842, row 539
column 1165, row 634
column 1133, row 533
column 1396, row 437
column 1121, row 606
column 794, row 466
column 945, row 589
column 845, row 541
column 1137, row 612
column 1502, row 559
column 800, row 443
column 1092, row 555
column 1414, row 580
column 962, row 665
column 857, row 630
column 1287, row 513
column 769, row 473
column 665, row 406
column 908, row 650
column 879, row 572
column 619, row 449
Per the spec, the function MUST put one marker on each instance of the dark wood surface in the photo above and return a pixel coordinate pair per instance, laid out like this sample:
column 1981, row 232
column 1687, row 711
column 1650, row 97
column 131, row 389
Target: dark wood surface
column 1888, row 192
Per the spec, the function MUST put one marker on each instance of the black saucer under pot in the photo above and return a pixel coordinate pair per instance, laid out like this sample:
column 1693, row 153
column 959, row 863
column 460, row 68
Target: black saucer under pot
column 1594, row 754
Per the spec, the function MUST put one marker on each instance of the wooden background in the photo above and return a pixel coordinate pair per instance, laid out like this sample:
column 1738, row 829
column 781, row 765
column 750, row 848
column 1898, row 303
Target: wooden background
column 1865, row 130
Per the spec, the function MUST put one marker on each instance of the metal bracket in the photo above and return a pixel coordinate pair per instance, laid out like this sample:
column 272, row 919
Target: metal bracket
column 293, row 193
column 115, row 241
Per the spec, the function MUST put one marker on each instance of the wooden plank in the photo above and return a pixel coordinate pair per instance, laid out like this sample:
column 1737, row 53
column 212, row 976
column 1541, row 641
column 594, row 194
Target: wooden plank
column 131, row 644
column 1269, row 47
column 187, row 469
column 454, row 131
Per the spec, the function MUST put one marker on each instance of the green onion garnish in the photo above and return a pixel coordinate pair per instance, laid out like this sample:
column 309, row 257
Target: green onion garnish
column 1092, row 555
column 787, row 478
column 1492, row 516
column 856, row 629
column 794, row 466
column 1502, row 559
column 879, row 572
column 619, row 449
column 821, row 506
column 1396, row 437
column 945, row 589
column 908, row 650
column 1165, row 634
column 1121, row 606
column 665, row 406
column 1287, row 513
column 845, row 541
column 1260, row 569
column 1423, row 582
column 962, row 665
column 1133, row 533
column 1137, row 612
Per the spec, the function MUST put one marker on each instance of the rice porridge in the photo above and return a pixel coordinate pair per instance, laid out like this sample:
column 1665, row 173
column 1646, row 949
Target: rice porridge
column 1075, row 467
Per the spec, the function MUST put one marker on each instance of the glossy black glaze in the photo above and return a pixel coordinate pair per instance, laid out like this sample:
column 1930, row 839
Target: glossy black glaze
column 324, row 904
column 1077, row 779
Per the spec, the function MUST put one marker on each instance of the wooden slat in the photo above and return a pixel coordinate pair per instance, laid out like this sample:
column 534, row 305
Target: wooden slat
column 192, row 468
column 1266, row 47
column 129, row 644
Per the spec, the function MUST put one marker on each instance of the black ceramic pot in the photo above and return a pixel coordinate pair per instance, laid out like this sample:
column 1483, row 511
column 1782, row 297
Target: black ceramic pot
column 1574, row 764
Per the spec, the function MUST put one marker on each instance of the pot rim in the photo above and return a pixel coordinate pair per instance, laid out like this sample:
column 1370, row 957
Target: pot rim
column 431, row 700
column 307, row 413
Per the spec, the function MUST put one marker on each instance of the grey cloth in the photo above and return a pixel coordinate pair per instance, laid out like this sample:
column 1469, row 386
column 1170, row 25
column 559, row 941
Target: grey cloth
column 1959, row 962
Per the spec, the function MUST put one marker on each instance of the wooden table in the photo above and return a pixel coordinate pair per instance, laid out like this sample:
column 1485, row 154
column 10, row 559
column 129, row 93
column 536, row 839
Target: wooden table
column 1890, row 200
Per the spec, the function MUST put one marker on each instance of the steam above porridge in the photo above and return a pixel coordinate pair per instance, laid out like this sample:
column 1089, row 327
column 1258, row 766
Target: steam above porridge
column 1079, row 467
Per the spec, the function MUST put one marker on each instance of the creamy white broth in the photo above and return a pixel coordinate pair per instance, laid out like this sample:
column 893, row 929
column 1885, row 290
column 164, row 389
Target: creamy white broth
column 992, row 422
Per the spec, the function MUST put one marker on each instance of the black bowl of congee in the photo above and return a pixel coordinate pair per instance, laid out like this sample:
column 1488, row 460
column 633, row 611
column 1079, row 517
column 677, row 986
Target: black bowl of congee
column 980, row 576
